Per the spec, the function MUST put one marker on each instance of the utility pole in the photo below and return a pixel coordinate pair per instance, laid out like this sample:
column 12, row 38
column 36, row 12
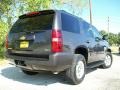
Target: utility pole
column 90, row 9
column 108, row 26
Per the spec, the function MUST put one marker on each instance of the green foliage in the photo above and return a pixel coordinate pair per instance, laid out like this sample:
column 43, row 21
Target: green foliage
column 5, row 6
column 3, row 31
column 11, row 9
column 118, row 39
column 103, row 32
column 33, row 5
column 114, row 39
column 2, row 53
column 75, row 6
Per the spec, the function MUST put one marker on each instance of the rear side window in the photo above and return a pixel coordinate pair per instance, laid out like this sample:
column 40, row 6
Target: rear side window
column 96, row 33
column 87, row 29
column 70, row 24
column 34, row 23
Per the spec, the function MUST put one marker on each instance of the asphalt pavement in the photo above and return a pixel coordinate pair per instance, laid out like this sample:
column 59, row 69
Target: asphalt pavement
column 11, row 78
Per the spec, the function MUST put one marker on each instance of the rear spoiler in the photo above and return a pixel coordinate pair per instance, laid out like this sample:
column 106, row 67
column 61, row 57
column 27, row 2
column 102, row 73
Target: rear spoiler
column 36, row 13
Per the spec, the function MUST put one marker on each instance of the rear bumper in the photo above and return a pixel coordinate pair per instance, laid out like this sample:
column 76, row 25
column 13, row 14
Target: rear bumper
column 55, row 62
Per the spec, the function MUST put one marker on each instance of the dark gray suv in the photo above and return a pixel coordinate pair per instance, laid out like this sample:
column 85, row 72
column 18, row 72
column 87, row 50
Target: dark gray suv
column 54, row 40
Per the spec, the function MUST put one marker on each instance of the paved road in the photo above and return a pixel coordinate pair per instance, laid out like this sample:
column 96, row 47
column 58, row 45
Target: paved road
column 11, row 78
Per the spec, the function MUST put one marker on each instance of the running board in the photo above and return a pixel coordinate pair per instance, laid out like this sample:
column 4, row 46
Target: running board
column 95, row 64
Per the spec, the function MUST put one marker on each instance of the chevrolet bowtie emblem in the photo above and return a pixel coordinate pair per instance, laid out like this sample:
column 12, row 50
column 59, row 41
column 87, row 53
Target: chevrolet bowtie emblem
column 22, row 38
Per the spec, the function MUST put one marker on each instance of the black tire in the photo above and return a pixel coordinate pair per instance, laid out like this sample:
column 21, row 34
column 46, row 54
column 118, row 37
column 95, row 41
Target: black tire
column 108, row 61
column 29, row 72
column 71, row 73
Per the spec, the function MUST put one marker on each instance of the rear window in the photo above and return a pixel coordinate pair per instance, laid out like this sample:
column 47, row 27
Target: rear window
column 70, row 24
column 36, row 23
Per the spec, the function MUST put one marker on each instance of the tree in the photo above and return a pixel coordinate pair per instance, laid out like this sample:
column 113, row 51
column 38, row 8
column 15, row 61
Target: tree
column 11, row 9
column 35, row 5
column 5, row 7
column 118, row 38
column 114, row 39
column 75, row 6
column 3, row 31
column 103, row 32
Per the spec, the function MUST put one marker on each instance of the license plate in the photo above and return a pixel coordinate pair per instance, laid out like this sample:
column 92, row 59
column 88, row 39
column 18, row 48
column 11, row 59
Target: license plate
column 24, row 44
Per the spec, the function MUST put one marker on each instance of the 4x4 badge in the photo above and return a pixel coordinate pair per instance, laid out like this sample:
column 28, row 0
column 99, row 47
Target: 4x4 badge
column 22, row 38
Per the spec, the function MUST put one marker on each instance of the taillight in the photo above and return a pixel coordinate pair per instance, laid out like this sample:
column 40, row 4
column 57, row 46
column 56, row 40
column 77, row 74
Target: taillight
column 6, row 42
column 57, row 41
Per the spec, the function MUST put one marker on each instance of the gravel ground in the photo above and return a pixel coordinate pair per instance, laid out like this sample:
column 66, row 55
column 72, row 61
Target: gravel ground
column 11, row 78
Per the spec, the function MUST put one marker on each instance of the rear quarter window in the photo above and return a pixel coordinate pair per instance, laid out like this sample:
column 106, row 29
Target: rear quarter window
column 87, row 29
column 69, row 23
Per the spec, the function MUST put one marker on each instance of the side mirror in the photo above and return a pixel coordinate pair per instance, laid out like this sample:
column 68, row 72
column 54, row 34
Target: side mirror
column 105, row 37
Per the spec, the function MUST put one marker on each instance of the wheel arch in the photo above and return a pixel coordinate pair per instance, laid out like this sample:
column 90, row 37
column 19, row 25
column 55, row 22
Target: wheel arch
column 108, row 50
column 82, row 50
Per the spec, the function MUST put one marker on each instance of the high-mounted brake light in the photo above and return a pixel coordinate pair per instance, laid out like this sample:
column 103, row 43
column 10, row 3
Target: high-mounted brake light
column 57, row 41
column 6, row 42
column 33, row 13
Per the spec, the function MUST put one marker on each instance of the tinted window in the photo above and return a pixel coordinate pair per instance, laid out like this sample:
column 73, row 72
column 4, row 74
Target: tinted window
column 85, row 25
column 36, row 23
column 70, row 24
column 90, row 33
column 96, row 33
column 87, row 29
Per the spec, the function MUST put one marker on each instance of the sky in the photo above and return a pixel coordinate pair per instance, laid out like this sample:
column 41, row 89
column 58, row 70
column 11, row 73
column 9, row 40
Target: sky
column 101, row 10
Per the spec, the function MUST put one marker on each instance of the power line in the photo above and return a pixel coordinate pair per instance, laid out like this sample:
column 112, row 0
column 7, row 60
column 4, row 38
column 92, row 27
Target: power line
column 104, row 20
